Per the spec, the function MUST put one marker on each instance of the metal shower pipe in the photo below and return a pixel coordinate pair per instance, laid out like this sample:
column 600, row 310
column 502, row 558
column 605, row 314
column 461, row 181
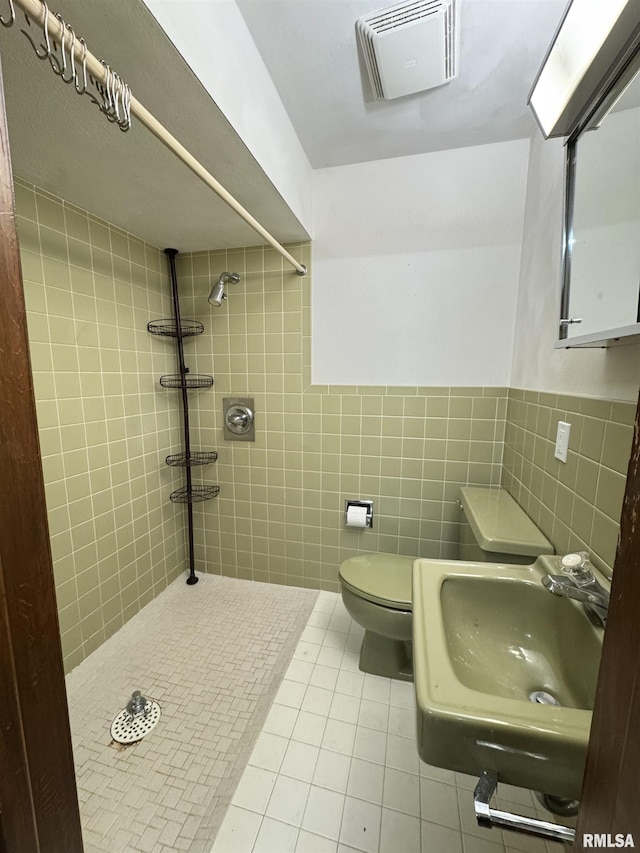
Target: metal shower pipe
column 171, row 256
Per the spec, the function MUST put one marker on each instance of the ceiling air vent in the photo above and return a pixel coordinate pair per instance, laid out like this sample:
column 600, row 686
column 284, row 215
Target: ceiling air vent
column 409, row 47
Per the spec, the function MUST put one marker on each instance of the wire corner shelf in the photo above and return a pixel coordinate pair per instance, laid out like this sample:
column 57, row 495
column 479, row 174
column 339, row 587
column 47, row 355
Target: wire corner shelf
column 195, row 494
column 191, row 380
column 191, row 459
column 170, row 329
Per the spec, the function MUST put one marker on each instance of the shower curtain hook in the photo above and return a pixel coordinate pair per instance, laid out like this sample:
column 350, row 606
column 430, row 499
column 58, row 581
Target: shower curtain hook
column 125, row 124
column 117, row 92
column 12, row 16
column 46, row 48
column 72, row 57
column 114, row 116
column 112, row 93
column 105, row 90
column 82, row 89
column 121, row 113
column 58, row 67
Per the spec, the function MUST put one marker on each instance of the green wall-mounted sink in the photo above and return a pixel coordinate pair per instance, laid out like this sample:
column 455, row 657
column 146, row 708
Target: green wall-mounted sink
column 486, row 637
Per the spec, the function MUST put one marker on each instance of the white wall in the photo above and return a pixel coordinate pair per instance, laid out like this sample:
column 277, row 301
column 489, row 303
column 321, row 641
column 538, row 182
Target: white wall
column 416, row 263
column 611, row 373
column 215, row 42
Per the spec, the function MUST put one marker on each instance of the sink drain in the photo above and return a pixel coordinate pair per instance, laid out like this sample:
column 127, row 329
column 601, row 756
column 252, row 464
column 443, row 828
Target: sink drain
column 542, row 697
column 128, row 730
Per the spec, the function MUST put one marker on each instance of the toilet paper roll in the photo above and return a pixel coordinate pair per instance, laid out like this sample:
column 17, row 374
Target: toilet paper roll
column 357, row 516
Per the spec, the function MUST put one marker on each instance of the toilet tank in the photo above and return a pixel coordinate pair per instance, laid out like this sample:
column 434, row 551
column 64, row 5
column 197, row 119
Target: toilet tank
column 495, row 529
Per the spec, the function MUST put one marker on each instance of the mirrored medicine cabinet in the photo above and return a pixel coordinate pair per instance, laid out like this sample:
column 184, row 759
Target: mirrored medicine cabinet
column 600, row 303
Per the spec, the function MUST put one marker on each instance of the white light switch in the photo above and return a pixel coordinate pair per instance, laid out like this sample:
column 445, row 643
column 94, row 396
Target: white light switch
column 562, row 441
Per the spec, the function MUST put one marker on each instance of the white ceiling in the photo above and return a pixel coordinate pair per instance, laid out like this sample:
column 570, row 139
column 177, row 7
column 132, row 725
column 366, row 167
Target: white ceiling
column 309, row 48
column 61, row 142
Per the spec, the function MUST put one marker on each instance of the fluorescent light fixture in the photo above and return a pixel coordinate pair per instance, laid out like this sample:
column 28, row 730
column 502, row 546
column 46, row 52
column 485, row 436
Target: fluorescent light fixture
column 595, row 38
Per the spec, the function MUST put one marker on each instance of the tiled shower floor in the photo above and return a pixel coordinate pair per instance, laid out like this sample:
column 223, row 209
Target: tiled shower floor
column 212, row 655
column 335, row 769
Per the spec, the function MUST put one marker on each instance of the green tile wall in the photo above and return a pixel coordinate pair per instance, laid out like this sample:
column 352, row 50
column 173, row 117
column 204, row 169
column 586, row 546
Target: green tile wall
column 105, row 425
column 576, row 504
column 280, row 513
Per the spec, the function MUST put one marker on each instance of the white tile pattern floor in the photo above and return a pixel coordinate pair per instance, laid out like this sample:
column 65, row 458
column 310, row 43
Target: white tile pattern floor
column 335, row 769
column 213, row 656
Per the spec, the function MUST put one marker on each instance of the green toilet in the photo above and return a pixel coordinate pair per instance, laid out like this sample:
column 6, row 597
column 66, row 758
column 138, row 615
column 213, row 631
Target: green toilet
column 376, row 588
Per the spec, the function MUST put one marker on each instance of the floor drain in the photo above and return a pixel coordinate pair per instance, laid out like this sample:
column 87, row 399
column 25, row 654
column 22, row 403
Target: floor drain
column 126, row 730
column 543, row 698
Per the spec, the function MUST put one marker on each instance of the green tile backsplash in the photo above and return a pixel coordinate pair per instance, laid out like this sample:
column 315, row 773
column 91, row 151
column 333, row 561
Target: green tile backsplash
column 106, row 426
column 576, row 504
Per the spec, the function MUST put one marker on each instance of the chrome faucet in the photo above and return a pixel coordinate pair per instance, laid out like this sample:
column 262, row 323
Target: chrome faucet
column 578, row 582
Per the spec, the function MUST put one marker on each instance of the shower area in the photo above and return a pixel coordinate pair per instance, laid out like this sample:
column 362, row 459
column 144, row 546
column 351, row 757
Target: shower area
column 125, row 538
column 136, row 492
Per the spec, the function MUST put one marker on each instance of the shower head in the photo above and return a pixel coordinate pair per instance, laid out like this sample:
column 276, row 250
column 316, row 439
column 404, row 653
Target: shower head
column 217, row 294
column 217, row 291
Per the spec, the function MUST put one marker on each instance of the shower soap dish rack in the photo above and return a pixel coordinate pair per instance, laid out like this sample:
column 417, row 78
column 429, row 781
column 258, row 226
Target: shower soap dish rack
column 170, row 329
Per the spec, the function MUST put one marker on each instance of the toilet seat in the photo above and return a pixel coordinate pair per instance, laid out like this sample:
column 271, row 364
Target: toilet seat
column 383, row 579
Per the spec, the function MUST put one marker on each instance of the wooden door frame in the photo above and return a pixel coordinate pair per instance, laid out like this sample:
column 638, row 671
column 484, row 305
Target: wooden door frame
column 38, row 796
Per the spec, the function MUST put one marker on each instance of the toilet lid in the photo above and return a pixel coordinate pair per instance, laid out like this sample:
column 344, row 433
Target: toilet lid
column 382, row 578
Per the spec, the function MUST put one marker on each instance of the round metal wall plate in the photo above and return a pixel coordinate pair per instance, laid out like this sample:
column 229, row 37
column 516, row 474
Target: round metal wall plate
column 126, row 730
column 238, row 419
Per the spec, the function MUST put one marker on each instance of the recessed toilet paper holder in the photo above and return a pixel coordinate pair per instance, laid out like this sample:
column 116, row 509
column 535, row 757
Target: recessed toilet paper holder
column 367, row 505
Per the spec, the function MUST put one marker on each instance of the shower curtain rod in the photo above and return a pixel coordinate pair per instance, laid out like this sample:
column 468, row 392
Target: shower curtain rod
column 36, row 11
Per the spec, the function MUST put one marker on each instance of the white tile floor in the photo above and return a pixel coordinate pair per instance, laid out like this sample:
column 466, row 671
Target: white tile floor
column 336, row 770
